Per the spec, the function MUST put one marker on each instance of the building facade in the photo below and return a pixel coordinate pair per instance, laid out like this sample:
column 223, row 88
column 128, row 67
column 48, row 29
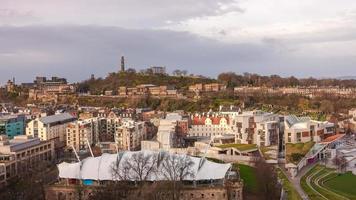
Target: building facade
column 303, row 129
column 22, row 153
column 12, row 125
column 52, row 127
column 80, row 134
column 129, row 135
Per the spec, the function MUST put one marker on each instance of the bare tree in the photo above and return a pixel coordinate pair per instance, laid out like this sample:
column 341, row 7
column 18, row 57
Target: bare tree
column 138, row 167
column 175, row 168
column 268, row 182
column 340, row 163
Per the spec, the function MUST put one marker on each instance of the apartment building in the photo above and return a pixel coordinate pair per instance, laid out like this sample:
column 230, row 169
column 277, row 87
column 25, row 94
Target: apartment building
column 20, row 154
column 12, row 125
column 129, row 135
column 256, row 127
column 52, row 127
column 303, row 129
column 80, row 134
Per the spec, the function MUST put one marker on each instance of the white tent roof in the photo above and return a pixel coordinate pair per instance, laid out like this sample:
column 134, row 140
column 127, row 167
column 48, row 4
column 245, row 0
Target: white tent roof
column 100, row 168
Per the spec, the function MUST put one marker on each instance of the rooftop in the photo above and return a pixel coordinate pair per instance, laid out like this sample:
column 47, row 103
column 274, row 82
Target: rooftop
column 99, row 168
column 240, row 147
column 56, row 118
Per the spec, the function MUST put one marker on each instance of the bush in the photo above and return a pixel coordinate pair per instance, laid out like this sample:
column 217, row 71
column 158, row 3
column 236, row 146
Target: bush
column 296, row 157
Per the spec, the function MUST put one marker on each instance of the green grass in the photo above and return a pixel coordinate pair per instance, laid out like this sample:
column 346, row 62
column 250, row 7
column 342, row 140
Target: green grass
column 302, row 148
column 248, row 175
column 331, row 186
column 292, row 194
column 240, row 147
column 309, row 191
column 343, row 184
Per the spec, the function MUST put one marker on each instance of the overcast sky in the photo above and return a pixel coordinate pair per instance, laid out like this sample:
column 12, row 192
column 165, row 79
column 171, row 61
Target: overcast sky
column 76, row 38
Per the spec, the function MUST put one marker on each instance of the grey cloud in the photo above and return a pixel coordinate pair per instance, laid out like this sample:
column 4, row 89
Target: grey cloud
column 123, row 13
column 77, row 51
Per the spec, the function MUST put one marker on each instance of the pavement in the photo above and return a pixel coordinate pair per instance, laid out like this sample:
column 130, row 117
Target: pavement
column 296, row 180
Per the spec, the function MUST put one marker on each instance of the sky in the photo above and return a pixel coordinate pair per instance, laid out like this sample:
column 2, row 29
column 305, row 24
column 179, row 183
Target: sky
column 77, row 38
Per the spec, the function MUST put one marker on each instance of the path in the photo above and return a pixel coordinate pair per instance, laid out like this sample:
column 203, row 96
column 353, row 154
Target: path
column 296, row 181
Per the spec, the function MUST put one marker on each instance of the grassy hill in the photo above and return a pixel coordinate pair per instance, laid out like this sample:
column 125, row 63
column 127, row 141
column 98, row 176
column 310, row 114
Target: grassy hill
column 115, row 80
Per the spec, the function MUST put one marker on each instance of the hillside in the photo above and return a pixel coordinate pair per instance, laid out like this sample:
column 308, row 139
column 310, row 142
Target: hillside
column 115, row 80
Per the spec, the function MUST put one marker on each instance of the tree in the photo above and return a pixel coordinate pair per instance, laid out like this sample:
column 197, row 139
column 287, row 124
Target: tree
column 138, row 167
column 177, row 72
column 29, row 182
column 267, row 178
column 340, row 162
column 131, row 71
column 175, row 168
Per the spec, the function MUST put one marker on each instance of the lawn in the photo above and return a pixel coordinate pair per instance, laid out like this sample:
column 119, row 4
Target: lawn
column 248, row 175
column 292, row 194
column 343, row 184
column 301, row 148
column 266, row 155
column 240, row 147
column 329, row 184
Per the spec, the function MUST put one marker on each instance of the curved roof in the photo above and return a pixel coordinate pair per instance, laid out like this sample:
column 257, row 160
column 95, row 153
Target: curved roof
column 100, row 168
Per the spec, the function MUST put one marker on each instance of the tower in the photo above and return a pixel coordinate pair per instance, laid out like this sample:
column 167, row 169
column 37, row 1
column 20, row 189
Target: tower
column 122, row 63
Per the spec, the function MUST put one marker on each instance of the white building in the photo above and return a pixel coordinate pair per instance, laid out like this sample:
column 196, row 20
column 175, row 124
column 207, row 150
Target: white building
column 130, row 134
column 52, row 127
column 166, row 133
column 256, row 127
column 303, row 129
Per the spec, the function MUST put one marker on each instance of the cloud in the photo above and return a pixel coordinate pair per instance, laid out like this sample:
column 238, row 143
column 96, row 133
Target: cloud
column 122, row 13
column 12, row 16
column 76, row 52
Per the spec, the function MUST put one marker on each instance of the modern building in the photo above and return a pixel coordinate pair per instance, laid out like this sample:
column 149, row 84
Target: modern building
column 52, row 127
column 304, row 129
column 12, row 125
column 80, row 134
column 22, row 153
column 256, row 127
column 93, row 173
column 130, row 134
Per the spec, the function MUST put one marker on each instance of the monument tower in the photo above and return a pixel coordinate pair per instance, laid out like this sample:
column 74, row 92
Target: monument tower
column 122, row 63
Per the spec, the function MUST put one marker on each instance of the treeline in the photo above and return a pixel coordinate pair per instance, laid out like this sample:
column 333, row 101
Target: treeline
column 131, row 79
column 232, row 79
